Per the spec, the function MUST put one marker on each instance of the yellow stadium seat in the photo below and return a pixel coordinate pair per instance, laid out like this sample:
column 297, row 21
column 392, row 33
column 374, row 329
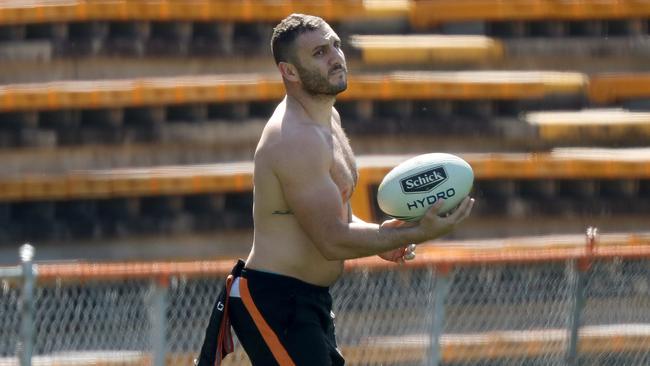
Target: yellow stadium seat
column 423, row 49
column 615, row 87
column 24, row 12
column 424, row 13
column 590, row 124
column 264, row 87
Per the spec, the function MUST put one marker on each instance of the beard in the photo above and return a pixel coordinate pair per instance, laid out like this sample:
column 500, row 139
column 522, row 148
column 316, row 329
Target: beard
column 316, row 84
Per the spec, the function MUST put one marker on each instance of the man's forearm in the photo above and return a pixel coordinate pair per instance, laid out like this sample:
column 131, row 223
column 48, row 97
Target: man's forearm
column 362, row 239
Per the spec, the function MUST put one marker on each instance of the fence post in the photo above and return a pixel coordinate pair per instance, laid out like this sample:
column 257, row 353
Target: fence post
column 26, row 348
column 579, row 295
column 158, row 318
column 440, row 290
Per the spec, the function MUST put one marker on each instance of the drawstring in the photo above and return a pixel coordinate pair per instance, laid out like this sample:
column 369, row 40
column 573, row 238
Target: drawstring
column 225, row 344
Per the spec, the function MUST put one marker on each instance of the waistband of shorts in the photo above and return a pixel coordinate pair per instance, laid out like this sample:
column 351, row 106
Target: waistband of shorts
column 285, row 282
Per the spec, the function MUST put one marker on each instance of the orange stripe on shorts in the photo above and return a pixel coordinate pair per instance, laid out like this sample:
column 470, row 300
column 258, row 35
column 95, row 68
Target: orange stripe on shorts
column 271, row 339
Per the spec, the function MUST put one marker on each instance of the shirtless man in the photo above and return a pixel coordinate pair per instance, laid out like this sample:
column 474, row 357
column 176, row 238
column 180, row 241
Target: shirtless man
column 305, row 173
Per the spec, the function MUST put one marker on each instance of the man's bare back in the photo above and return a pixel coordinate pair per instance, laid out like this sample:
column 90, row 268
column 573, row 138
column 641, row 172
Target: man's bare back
column 280, row 244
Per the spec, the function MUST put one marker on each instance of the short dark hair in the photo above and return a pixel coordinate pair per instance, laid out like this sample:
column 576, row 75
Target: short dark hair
column 286, row 32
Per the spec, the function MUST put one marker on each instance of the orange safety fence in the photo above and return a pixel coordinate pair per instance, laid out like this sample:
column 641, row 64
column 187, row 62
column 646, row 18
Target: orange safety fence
column 263, row 87
column 440, row 254
column 25, row 12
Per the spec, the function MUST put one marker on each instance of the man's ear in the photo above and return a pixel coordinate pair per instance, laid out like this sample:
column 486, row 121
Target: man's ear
column 288, row 71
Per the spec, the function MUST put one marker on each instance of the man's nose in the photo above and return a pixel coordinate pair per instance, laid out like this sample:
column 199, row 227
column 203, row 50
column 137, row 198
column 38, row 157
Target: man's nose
column 338, row 58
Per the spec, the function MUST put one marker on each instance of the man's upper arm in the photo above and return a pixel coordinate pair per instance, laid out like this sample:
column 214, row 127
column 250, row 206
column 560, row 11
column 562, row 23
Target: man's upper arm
column 302, row 166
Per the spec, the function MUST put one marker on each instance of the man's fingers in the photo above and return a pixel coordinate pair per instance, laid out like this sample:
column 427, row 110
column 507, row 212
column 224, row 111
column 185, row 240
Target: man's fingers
column 469, row 209
column 463, row 210
column 435, row 208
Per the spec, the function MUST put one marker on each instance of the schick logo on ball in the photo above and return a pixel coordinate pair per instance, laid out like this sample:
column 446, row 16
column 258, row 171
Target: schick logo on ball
column 424, row 181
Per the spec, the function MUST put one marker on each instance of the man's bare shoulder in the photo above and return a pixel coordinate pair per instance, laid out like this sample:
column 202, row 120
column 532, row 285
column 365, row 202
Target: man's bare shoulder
column 289, row 142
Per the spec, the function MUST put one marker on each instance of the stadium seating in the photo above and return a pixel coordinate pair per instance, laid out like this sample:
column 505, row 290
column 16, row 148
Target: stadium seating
column 133, row 126
column 428, row 12
column 180, row 200
column 422, row 49
column 593, row 124
column 22, row 11
column 239, row 88
column 468, row 81
column 619, row 87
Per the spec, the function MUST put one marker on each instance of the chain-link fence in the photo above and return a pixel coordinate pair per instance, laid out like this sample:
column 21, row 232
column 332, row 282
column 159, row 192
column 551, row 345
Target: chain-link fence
column 557, row 307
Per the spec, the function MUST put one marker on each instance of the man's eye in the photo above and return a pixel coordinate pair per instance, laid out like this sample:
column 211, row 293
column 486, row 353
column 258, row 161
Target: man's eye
column 319, row 53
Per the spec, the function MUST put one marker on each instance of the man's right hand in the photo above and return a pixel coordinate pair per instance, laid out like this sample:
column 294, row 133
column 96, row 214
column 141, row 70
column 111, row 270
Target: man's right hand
column 433, row 226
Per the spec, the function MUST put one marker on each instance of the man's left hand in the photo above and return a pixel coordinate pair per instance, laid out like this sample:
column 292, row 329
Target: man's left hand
column 399, row 255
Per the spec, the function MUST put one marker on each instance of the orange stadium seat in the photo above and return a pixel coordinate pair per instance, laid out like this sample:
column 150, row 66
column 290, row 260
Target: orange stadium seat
column 236, row 177
column 422, row 12
column 21, row 11
column 252, row 87
column 422, row 49
column 430, row 12
column 593, row 124
column 562, row 164
column 616, row 87
column 590, row 124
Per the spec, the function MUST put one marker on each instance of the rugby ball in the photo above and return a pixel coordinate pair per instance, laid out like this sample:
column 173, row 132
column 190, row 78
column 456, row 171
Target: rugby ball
column 409, row 189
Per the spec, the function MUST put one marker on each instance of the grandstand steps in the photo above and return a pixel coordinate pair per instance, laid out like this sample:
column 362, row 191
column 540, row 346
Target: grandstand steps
column 233, row 88
column 198, row 145
column 184, row 246
column 479, row 52
column 23, row 61
column 199, row 235
column 595, row 125
column 180, row 134
column 119, row 67
column 23, row 161
column 517, row 194
column 596, row 48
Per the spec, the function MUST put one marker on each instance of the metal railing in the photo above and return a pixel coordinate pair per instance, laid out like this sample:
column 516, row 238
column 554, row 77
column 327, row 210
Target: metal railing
column 545, row 301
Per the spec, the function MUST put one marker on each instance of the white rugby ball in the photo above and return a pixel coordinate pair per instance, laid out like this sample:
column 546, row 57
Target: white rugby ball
column 409, row 189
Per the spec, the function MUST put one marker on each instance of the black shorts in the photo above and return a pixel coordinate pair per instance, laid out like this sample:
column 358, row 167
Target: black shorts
column 281, row 320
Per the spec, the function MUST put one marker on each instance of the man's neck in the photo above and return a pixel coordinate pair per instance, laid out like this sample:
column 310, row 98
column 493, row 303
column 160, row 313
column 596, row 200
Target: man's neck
column 318, row 108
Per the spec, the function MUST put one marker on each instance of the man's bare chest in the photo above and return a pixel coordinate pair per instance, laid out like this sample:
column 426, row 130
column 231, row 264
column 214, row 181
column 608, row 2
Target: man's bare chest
column 344, row 169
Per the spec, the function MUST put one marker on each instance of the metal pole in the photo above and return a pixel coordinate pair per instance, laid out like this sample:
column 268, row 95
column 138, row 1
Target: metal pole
column 26, row 347
column 158, row 317
column 581, row 270
column 440, row 291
